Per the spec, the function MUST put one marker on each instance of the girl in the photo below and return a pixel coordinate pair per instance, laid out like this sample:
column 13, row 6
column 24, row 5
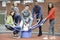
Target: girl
column 51, row 17
column 10, row 24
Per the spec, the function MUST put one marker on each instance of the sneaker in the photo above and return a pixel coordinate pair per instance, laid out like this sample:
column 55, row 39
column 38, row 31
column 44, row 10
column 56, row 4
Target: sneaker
column 16, row 36
column 45, row 38
column 39, row 35
column 53, row 37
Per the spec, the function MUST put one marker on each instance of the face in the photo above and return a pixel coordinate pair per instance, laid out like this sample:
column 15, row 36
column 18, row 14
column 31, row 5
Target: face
column 36, row 3
column 12, row 13
column 15, row 4
column 50, row 5
column 27, row 8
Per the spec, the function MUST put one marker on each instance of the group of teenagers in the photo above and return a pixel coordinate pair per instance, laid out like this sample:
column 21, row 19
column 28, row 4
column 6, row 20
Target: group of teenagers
column 17, row 22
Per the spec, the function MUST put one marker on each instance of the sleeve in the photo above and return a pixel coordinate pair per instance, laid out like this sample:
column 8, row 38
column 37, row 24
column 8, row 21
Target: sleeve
column 12, row 8
column 12, row 22
column 31, row 19
column 22, row 18
column 7, row 21
column 17, row 10
column 31, row 16
column 50, row 13
column 33, row 12
column 40, row 13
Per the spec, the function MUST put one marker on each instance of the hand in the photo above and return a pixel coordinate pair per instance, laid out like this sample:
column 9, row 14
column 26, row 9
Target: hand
column 43, row 21
column 31, row 18
column 41, row 24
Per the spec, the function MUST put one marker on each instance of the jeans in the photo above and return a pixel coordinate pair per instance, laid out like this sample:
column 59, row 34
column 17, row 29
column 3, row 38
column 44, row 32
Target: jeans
column 51, row 27
column 15, row 29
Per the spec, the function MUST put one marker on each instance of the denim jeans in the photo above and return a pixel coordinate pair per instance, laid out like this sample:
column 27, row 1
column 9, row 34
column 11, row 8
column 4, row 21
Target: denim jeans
column 51, row 27
column 15, row 29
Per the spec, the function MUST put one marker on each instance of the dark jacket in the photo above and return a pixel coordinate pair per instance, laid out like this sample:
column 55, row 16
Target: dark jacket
column 17, row 18
column 38, row 11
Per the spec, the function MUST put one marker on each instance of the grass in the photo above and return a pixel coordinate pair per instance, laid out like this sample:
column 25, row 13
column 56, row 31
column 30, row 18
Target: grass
column 2, row 17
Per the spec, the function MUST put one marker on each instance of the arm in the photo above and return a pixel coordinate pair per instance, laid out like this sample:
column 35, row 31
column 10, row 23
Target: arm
column 50, row 13
column 22, row 15
column 30, row 18
column 40, row 13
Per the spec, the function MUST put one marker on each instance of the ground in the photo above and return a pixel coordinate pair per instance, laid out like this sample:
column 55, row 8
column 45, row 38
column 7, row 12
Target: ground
column 34, row 37
column 5, row 35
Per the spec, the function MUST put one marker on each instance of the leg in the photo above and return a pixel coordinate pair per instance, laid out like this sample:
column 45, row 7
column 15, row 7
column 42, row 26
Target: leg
column 51, row 28
column 9, row 27
column 17, row 30
column 53, row 22
column 40, row 31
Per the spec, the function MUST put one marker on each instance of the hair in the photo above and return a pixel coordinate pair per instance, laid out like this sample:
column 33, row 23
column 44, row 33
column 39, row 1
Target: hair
column 13, row 4
column 35, row 1
column 11, row 15
column 51, row 7
column 10, row 12
column 27, row 5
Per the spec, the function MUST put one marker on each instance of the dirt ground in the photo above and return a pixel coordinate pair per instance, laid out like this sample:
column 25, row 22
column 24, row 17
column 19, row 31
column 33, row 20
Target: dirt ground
column 34, row 37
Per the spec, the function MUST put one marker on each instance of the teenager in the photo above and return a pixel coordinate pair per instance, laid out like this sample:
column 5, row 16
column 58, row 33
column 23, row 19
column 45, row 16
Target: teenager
column 51, row 13
column 37, row 10
column 16, row 16
column 27, row 22
column 27, row 18
column 51, row 17
column 15, row 8
column 10, row 24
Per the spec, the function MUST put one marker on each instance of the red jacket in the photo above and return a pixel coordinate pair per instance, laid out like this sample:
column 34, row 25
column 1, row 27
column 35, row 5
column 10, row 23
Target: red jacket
column 51, row 14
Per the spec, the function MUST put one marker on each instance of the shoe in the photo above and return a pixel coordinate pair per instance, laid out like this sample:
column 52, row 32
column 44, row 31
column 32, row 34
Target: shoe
column 39, row 35
column 45, row 38
column 16, row 36
column 53, row 37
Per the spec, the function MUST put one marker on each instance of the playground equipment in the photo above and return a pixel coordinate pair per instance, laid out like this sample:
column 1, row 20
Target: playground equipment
column 28, row 34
